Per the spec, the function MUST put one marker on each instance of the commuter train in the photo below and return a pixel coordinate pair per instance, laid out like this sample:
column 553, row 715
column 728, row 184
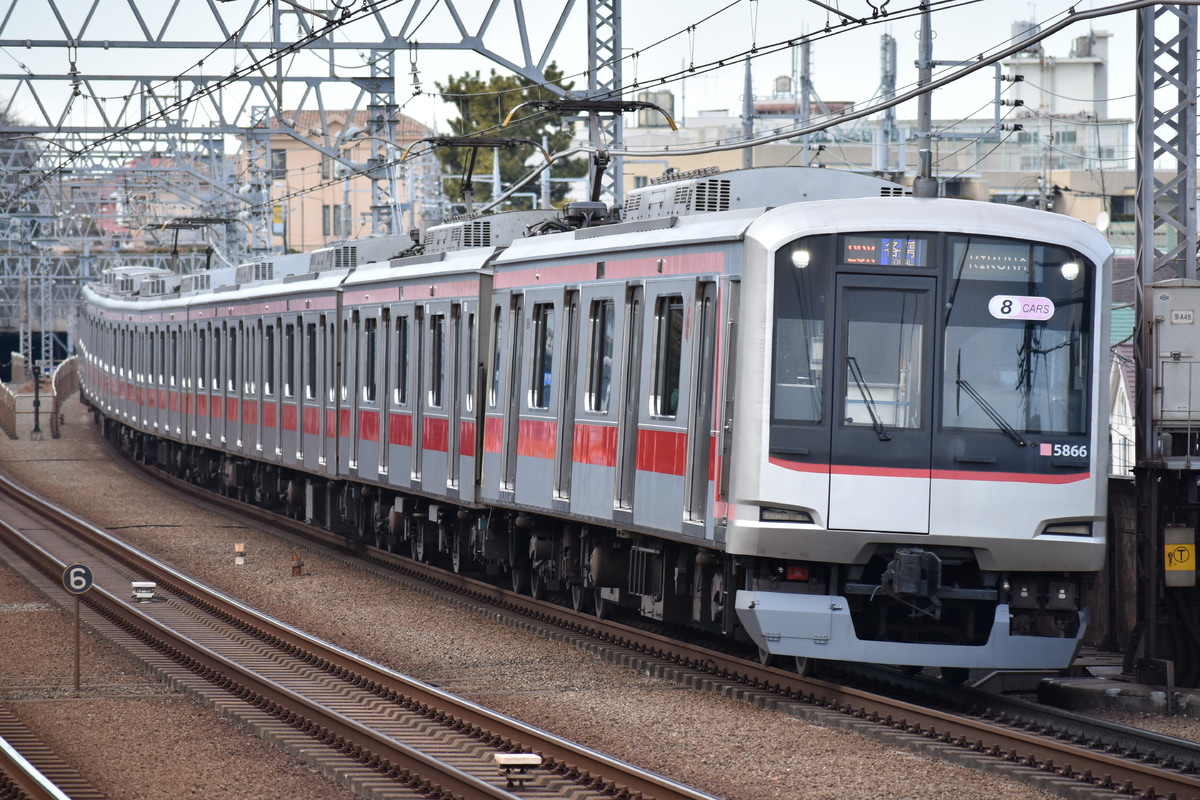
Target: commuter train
column 793, row 405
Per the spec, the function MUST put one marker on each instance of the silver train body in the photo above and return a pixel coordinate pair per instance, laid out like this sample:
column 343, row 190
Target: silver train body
column 787, row 404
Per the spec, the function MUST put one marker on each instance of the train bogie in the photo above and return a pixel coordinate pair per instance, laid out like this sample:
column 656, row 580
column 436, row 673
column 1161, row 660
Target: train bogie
column 789, row 405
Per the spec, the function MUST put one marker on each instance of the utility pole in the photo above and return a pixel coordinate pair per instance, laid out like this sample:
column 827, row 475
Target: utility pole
column 925, row 185
column 748, row 117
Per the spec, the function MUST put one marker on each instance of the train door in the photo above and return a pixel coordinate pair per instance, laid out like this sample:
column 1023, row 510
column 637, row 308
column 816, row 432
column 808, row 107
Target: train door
column 453, row 395
column 385, row 390
column 882, row 432
column 512, row 416
column 564, row 448
column 311, row 447
column 350, row 398
column 630, row 399
column 268, row 418
column 365, row 419
column 216, row 403
column 418, row 406
column 332, row 364
column 399, row 434
column 700, row 434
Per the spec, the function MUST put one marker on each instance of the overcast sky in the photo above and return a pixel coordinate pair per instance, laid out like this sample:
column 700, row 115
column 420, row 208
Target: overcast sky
column 661, row 38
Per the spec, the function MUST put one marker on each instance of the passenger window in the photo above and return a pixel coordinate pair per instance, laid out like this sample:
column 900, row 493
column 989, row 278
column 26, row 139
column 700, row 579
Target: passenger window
column 494, row 389
column 542, row 371
column 437, row 360
column 400, row 393
column 289, row 356
column 600, row 352
column 668, row 353
column 370, row 382
column 216, row 352
column 269, row 358
column 310, row 378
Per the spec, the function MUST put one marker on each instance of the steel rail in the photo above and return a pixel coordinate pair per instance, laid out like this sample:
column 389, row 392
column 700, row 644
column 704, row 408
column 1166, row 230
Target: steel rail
column 1065, row 758
column 558, row 755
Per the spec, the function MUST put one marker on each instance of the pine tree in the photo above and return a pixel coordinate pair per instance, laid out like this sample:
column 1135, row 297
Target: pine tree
column 482, row 106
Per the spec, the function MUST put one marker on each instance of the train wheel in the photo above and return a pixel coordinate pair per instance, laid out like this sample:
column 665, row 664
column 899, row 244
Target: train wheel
column 417, row 544
column 520, row 579
column 580, row 595
column 804, row 666
column 537, row 584
column 600, row 606
column 460, row 555
column 767, row 659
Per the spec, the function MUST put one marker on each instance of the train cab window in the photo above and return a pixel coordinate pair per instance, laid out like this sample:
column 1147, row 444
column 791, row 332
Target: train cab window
column 542, row 371
column 600, row 356
column 437, row 359
column 400, row 391
column 801, row 285
column 668, row 355
column 269, row 361
column 494, row 387
column 370, row 344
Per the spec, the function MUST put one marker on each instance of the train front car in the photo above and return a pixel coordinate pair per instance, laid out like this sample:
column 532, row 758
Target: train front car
column 919, row 449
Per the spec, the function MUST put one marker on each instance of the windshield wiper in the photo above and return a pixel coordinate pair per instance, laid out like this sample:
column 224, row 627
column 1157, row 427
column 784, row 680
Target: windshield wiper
column 868, row 400
column 992, row 413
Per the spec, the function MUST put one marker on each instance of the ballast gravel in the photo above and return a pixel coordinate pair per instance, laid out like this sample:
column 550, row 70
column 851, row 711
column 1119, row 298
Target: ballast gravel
column 137, row 740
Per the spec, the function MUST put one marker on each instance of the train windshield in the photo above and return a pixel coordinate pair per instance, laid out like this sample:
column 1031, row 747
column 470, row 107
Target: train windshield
column 1012, row 322
column 1017, row 337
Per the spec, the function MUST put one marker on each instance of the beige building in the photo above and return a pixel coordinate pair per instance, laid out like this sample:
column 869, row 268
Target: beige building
column 319, row 198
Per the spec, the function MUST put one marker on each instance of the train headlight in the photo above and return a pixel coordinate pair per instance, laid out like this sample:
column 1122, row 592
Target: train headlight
column 800, row 258
column 1070, row 270
column 784, row 515
column 1069, row 529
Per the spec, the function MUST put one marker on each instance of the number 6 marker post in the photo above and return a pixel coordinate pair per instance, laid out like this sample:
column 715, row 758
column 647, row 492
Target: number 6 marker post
column 77, row 579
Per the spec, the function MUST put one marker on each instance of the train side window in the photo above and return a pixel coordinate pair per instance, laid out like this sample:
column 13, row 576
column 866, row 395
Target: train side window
column 471, row 348
column 269, row 361
column 250, row 361
column 400, row 393
column 600, row 353
column 174, row 356
column 542, row 366
column 437, row 360
column 310, row 348
column 345, row 355
column 371, row 381
column 150, row 358
column 668, row 353
column 216, row 353
column 330, row 365
column 201, row 361
column 494, row 389
column 231, row 375
column 289, row 361
column 162, row 357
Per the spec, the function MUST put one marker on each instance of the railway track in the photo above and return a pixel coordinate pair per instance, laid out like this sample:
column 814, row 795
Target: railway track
column 31, row 771
column 1052, row 749
column 387, row 735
